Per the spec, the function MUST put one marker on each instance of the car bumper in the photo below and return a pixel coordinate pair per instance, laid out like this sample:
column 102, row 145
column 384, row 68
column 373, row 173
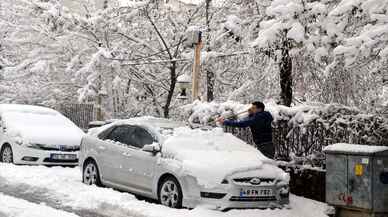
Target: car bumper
column 31, row 156
column 229, row 197
column 229, row 203
column 235, row 201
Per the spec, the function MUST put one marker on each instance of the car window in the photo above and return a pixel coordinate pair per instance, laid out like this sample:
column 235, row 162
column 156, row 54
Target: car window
column 124, row 135
column 104, row 134
column 142, row 137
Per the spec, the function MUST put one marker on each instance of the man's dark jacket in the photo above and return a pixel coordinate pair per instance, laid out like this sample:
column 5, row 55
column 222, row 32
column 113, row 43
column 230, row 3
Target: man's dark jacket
column 260, row 124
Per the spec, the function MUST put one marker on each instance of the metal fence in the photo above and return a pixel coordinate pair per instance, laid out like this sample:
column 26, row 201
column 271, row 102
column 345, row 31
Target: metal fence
column 80, row 114
column 307, row 140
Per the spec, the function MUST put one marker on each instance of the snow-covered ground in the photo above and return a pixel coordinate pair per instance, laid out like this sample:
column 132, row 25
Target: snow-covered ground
column 14, row 207
column 62, row 189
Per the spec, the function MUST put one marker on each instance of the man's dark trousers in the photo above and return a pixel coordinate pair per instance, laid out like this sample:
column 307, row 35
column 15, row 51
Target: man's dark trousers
column 267, row 149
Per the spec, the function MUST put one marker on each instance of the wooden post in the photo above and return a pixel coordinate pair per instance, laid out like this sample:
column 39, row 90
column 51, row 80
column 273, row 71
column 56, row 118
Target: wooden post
column 196, row 70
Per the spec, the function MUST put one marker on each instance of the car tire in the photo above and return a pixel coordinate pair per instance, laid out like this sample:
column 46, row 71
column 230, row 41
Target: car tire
column 6, row 154
column 91, row 174
column 170, row 193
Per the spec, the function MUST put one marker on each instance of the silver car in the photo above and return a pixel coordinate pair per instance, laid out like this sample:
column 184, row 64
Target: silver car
column 132, row 155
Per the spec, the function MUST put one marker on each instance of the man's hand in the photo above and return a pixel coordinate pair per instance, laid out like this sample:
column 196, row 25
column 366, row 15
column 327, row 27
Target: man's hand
column 220, row 120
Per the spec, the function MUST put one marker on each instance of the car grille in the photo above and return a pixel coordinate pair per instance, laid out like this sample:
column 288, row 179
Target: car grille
column 49, row 160
column 57, row 148
column 247, row 180
column 253, row 199
column 212, row 195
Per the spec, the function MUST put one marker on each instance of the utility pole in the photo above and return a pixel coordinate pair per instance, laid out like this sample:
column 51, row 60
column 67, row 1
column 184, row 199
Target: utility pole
column 196, row 67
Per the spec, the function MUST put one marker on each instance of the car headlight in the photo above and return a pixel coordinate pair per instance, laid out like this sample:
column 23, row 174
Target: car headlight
column 18, row 141
column 33, row 145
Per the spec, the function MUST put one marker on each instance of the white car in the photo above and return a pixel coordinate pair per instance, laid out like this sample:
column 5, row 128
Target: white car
column 37, row 135
column 181, row 167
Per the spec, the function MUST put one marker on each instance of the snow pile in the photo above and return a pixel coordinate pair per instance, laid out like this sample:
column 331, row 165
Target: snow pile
column 13, row 207
column 64, row 186
column 195, row 151
column 204, row 112
column 356, row 149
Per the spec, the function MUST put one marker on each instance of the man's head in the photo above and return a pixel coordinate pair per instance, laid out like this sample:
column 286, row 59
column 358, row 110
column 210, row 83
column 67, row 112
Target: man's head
column 256, row 107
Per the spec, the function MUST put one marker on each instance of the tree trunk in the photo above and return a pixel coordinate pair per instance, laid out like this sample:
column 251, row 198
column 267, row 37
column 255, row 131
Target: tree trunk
column 166, row 108
column 210, row 77
column 210, row 85
column 285, row 67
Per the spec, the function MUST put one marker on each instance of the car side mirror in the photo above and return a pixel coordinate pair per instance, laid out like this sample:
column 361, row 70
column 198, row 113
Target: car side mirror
column 152, row 148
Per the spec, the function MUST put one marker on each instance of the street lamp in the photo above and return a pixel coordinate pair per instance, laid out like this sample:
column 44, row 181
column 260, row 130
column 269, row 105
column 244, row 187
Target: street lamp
column 183, row 83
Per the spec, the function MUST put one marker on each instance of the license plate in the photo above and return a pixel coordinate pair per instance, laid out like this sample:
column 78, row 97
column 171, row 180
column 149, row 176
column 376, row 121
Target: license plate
column 63, row 156
column 256, row 192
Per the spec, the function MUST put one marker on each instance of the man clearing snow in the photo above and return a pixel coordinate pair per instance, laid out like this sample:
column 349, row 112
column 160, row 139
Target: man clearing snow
column 260, row 123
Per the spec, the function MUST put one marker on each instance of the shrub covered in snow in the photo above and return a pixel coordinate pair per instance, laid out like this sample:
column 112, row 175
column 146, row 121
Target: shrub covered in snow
column 303, row 130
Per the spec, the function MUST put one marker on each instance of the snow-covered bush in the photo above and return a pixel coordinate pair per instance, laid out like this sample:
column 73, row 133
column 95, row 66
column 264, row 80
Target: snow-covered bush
column 303, row 130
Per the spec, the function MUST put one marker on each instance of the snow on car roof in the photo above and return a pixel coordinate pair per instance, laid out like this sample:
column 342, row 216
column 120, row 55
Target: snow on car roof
column 26, row 109
column 355, row 149
column 146, row 121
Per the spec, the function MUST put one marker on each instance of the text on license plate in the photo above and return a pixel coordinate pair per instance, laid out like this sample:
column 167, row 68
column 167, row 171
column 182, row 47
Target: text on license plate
column 255, row 192
column 63, row 156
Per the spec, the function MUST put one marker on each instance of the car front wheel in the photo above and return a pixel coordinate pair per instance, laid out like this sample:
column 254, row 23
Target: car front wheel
column 170, row 193
column 91, row 175
column 6, row 154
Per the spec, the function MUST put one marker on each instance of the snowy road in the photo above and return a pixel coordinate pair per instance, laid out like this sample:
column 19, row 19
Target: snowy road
column 14, row 207
column 60, row 191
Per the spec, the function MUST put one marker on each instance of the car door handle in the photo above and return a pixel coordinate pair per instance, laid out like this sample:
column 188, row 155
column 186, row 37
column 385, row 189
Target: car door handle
column 126, row 154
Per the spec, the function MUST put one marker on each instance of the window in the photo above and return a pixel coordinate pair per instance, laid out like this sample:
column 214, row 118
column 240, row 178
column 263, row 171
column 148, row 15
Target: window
column 123, row 134
column 104, row 134
column 129, row 135
column 142, row 137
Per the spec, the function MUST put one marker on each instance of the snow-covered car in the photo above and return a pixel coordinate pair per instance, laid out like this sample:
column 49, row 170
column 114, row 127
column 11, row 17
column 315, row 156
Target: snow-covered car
column 38, row 136
column 181, row 167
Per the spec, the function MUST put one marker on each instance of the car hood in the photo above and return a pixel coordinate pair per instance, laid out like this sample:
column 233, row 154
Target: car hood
column 48, row 135
column 213, row 156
